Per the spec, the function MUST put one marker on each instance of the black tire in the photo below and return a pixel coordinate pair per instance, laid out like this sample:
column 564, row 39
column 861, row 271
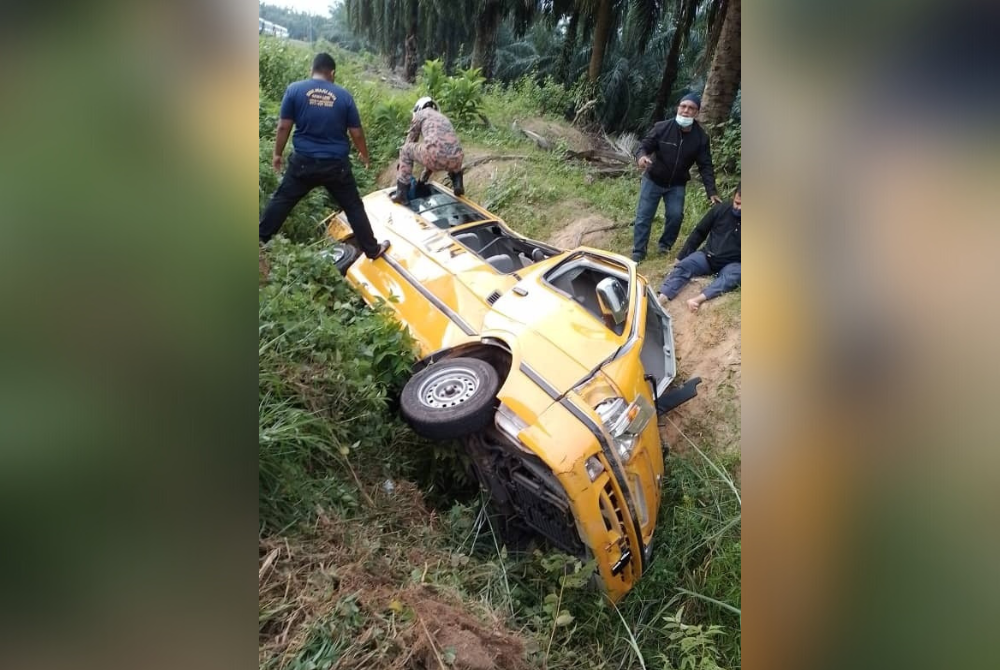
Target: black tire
column 450, row 399
column 343, row 256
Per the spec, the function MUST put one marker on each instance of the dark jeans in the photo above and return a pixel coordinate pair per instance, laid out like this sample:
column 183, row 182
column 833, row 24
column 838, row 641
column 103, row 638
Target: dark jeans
column 302, row 175
column 649, row 200
column 696, row 265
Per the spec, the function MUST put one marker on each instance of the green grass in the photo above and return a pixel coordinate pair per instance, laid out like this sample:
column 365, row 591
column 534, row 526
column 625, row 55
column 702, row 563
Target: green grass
column 357, row 560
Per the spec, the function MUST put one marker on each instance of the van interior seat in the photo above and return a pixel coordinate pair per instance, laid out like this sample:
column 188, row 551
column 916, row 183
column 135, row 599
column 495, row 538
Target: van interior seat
column 502, row 263
column 470, row 240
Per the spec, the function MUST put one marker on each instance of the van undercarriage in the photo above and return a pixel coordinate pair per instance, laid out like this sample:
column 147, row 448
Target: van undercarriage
column 523, row 490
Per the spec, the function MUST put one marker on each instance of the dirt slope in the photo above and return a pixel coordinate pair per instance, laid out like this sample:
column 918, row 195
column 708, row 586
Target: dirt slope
column 709, row 346
column 346, row 583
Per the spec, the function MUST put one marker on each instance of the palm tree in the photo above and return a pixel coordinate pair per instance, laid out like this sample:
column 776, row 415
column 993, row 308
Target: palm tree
column 489, row 16
column 487, row 24
column 716, row 17
column 602, row 32
column 562, row 73
column 410, row 61
column 724, row 76
column 685, row 15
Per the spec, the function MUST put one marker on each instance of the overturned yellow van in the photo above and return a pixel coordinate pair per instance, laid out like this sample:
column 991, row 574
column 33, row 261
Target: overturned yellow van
column 549, row 365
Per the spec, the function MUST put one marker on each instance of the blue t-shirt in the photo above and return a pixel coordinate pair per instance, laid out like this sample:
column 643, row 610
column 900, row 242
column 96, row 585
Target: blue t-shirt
column 322, row 112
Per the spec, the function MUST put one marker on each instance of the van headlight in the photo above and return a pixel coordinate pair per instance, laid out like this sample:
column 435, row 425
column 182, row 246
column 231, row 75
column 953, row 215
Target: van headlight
column 625, row 422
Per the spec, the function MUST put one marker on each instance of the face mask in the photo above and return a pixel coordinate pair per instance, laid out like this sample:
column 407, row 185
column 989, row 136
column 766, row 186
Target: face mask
column 684, row 121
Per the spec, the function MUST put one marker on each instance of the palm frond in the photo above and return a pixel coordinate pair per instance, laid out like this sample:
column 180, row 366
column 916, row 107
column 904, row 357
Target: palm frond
column 641, row 21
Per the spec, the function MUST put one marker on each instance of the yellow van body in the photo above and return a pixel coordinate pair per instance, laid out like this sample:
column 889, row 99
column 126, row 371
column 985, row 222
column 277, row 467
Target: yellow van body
column 576, row 395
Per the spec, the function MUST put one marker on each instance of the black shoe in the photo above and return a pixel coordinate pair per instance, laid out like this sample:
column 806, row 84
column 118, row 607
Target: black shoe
column 401, row 197
column 663, row 249
column 382, row 247
column 456, row 183
column 638, row 257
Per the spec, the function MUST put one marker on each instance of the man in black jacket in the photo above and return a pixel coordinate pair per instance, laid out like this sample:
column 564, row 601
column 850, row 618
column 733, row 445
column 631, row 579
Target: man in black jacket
column 667, row 154
column 721, row 225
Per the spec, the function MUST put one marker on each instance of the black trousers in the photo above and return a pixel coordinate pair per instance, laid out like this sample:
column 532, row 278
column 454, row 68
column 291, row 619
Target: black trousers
column 302, row 175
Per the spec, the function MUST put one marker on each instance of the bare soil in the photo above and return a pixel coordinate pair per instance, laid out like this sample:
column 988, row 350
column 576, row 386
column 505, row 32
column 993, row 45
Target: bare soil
column 406, row 625
column 592, row 230
column 708, row 345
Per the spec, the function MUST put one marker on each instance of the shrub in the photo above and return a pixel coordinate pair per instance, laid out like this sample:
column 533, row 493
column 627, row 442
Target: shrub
column 278, row 65
column 546, row 97
column 433, row 77
column 389, row 121
column 462, row 96
column 727, row 142
column 268, row 120
column 328, row 365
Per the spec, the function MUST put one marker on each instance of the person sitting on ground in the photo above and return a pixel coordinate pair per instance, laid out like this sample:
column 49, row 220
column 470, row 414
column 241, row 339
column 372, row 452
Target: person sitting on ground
column 439, row 149
column 721, row 226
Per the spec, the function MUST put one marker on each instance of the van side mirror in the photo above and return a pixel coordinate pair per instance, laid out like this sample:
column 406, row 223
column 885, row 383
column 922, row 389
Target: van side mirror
column 613, row 299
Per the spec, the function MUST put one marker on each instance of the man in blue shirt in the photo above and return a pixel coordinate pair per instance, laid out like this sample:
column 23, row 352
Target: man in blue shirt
column 323, row 114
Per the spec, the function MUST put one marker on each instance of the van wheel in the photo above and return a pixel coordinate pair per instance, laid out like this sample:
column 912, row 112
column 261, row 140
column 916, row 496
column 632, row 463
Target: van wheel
column 450, row 399
column 343, row 256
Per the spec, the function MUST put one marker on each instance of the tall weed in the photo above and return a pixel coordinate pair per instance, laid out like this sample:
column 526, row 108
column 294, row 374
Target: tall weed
column 328, row 366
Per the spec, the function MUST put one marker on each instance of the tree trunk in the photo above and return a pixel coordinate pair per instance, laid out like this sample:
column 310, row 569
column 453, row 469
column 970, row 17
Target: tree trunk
column 450, row 48
column 716, row 18
column 566, row 53
column 485, row 47
column 684, row 20
column 601, row 30
column 724, row 76
column 410, row 63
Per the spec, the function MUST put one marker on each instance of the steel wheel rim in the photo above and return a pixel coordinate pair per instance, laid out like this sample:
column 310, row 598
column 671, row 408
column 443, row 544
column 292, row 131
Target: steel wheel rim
column 448, row 388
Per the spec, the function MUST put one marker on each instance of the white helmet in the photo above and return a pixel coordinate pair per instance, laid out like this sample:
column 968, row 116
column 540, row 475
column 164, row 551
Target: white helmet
column 425, row 101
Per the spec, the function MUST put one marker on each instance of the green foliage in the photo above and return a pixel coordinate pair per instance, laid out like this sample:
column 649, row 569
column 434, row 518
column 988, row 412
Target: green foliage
column 327, row 367
column 389, row 119
column 547, row 97
column 692, row 647
column 462, row 96
column 433, row 77
column 268, row 119
column 727, row 143
column 278, row 65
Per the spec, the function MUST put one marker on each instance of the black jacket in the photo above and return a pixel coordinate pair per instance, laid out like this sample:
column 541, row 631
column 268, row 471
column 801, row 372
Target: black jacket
column 674, row 152
column 722, row 228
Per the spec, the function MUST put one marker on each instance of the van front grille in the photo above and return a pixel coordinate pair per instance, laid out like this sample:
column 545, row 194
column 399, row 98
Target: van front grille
column 614, row 520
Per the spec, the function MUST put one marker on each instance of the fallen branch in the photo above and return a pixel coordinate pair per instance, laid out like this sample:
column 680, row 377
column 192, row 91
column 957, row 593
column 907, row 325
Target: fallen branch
column 542, row 143
column 599, row 155
column 584, row 233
